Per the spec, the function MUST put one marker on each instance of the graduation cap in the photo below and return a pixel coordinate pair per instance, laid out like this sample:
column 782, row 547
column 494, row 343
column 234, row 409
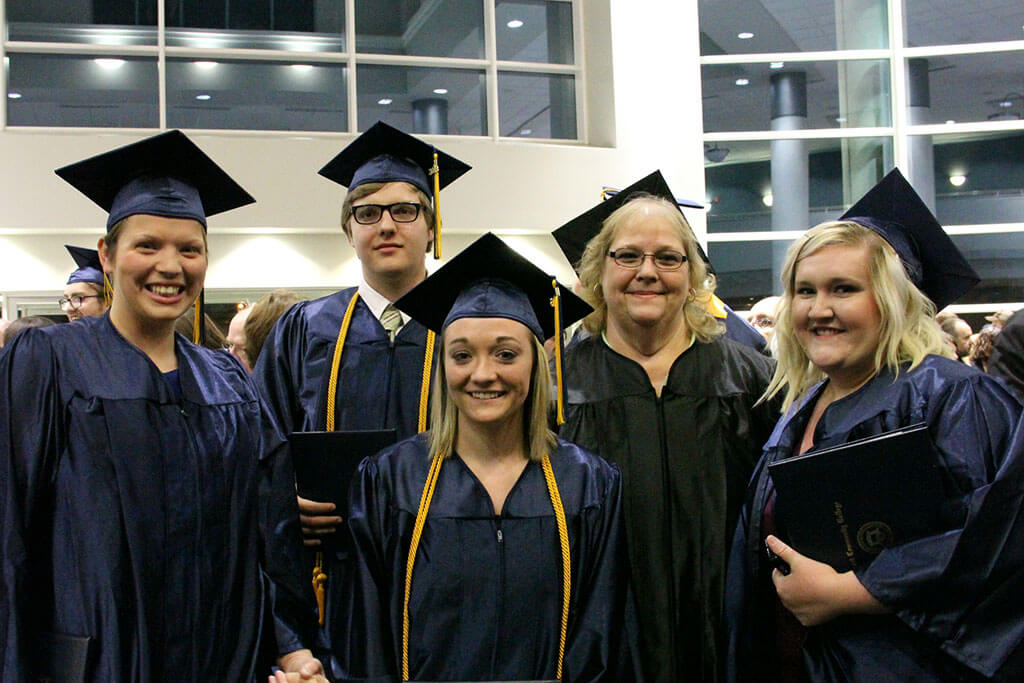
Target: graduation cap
column 489, row 279
column 384, row 154
column 89, row 268
column 573, row 237
column 895, row 211
column 165, row 175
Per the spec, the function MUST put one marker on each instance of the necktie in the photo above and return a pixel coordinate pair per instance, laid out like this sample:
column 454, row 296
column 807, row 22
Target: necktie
column 391, row 319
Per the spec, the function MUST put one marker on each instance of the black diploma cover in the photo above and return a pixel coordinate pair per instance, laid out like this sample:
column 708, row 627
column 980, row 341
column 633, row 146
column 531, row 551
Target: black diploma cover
column 60, row 658
column 844, row 504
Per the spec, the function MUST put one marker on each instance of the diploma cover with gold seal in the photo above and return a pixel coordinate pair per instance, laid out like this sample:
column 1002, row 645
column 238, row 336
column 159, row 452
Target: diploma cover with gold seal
column 844, row 504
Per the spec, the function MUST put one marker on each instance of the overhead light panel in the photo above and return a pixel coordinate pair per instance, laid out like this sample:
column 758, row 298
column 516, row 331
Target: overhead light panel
column 745, row 35
column 385, row 100
column 109, row 63
column 742, row 81
column 14, row 95
column 776, row 65
column 515, row 23
column 203, row 97
column 440, row 91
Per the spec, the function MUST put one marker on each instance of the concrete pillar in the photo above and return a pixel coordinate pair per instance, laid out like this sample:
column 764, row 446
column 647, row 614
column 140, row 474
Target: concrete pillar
column 789, row 167
column 430, row 116
column 919, row 109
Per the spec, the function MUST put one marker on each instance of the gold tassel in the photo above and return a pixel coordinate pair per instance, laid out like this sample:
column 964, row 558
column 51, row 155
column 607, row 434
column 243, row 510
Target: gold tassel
column 556, row 302
column 320, row 587
column 436, row 172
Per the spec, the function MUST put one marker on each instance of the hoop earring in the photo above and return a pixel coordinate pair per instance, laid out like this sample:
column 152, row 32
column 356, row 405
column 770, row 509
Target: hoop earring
column 692, row 296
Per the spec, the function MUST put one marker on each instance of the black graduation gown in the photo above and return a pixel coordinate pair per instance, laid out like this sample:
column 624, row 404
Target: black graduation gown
column 486, row 590
column 378, row 382
column 135, row 518
column 685, row 459
column 958, row 596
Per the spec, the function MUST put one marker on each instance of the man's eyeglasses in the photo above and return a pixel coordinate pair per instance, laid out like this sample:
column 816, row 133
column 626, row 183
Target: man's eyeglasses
column 666, row 259
column 401, row 212
column 75, row 301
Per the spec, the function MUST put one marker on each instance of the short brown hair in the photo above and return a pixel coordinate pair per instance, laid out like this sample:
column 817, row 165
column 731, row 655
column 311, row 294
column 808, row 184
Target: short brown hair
column 262, row 317
column 365, row 190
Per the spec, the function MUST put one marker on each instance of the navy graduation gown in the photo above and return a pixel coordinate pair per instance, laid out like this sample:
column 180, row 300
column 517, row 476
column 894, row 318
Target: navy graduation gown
column 486, row 589
column 136, row 519
column 378, row 382
column 686, row 458
column 957, row 596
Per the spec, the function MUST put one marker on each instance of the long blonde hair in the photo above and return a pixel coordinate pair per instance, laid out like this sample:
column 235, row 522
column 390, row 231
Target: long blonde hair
column 702, row 285
column 908, row 330
column 538, row 440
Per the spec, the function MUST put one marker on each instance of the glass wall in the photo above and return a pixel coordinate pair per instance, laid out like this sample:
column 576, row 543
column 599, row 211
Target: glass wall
column 807, row 105
column 497, row 68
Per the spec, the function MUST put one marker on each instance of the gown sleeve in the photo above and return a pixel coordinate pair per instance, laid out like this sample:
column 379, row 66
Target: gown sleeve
column 276, row 371
column 596, row 649
column 366, row 653
column 30, row 440
column 962, row 588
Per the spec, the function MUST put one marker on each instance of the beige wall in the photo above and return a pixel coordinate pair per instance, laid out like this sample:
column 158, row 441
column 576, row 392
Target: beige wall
column 646, row 115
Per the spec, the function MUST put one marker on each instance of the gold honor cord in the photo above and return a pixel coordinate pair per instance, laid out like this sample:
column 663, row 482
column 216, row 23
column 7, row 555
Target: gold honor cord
column 319, row 577
column 556, row 303
column 436, row 172
column 417, row 532
column 108, row 290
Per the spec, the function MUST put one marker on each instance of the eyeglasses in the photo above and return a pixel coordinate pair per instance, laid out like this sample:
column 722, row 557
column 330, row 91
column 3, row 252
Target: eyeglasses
column 401, row 212
column 75, row 300
column 666, row 259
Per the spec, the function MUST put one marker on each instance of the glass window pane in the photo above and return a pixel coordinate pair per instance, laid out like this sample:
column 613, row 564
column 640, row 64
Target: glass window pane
column 944, row 23
column 301, row 25
column 747, row 271
column 105, row 23
column 739, row 185
column 250, row 95
column 423, row 100
column 729, row 27
column 978, row 178
column 537, row 105
column 534, row 31
column 740, row 96
column 453, row 28
column 63, row 90
column 999, row 261
column 982, row 87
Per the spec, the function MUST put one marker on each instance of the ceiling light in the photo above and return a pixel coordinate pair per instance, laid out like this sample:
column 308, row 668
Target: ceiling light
column 526, row 131
column 303, row 68
column 776, row 65
column 767, row 199
column 840, row 119
column 205, row 65
column 1006, row 104
column 440, row 91
column 515, row 23
column 742, row 81
column 14, row 95
column 203, row 97
column 385, row 100
column 957, row 180
column 745, row 35
column 950, row 122
column 715, row 154
column 109, row 63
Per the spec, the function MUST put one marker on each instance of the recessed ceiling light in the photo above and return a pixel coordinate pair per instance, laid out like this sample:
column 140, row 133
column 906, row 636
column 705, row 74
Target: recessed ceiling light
column 205, row 65
column 109, row 63
column 768, row 199
column 957, row 180
column 950, row 121
column 440, row 91
column 1006, row 104
column 526, row 131
column 776, row 65
column 745, row 35
column 14, row 95
column 301, row 67
column 202, row 97
column 385, row 100
column 742, row 81
column 515, row 23
column 840, row 119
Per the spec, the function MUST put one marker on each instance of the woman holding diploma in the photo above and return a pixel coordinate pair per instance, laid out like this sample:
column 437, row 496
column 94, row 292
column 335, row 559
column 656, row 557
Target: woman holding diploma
column 859, row 355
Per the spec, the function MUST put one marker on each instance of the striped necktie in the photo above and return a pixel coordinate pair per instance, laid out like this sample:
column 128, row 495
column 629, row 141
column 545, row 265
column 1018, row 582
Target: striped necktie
column 391, row 320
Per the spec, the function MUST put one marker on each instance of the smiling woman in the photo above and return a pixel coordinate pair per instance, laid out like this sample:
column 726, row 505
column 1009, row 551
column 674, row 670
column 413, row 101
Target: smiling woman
column 131, row 461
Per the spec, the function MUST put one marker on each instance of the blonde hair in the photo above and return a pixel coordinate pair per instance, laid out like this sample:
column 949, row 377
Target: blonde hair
column 537, row 438
column 908, row 329
column 366, row 189
column 592, row 264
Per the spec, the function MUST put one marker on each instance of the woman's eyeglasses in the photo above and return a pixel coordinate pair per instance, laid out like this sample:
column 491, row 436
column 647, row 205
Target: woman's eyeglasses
column 666, row 259
column 75, row 301
column 401, row 212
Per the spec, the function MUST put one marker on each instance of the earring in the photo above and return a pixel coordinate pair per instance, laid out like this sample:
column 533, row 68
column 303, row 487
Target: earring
column 691, row 296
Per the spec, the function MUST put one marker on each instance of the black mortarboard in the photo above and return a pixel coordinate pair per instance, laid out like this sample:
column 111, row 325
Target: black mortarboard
column 89, row 268
column 489, row 279
column 573, row 237
column 384, row 154
column 895, row 211
column 164, row 175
